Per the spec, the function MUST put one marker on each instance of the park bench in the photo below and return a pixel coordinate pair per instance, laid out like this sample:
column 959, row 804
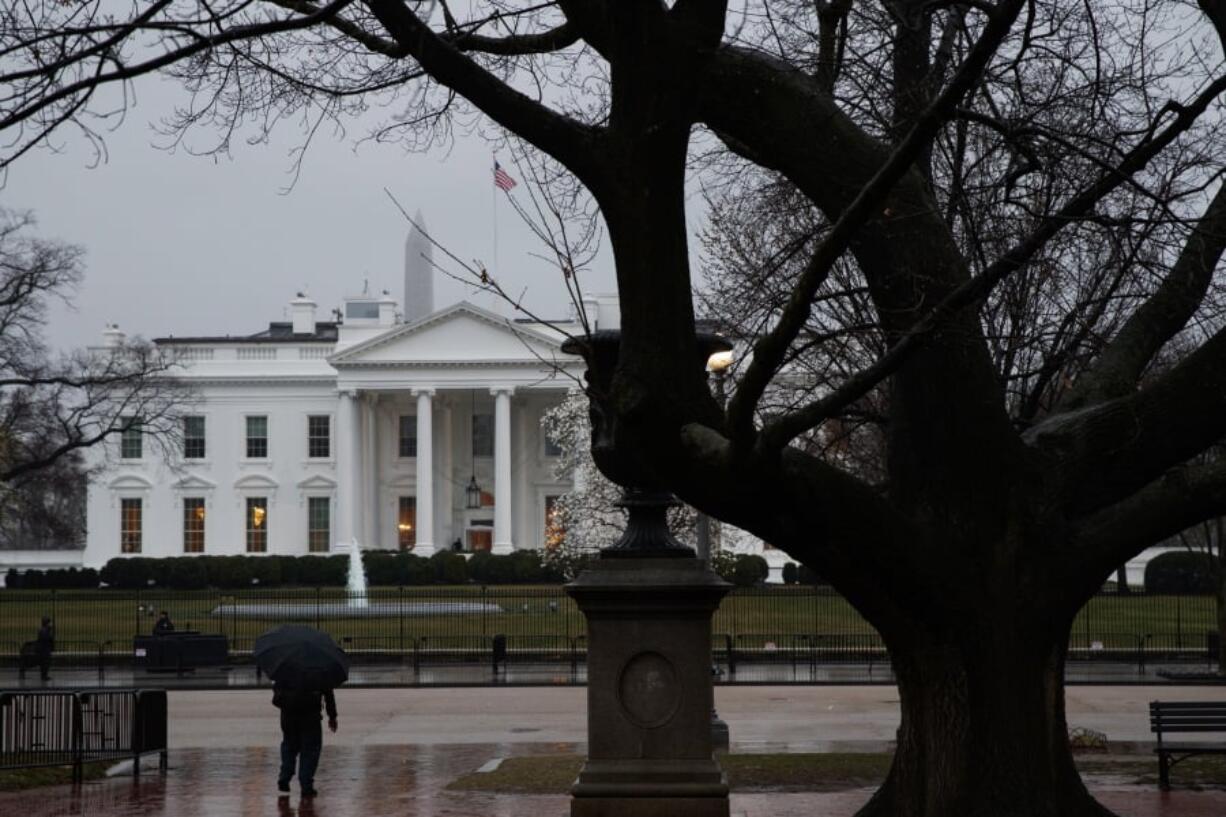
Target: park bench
column 1185, row 717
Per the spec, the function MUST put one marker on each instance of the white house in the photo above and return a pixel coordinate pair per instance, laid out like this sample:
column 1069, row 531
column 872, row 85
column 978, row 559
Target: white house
column 417, row 430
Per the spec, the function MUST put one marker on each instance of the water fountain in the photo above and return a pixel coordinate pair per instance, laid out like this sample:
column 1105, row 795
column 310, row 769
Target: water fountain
column 357, row 603
column 357, row 577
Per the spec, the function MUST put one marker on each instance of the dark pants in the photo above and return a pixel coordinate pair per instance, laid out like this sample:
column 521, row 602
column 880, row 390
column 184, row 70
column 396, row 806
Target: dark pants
column 302, row 736
column 44, row 665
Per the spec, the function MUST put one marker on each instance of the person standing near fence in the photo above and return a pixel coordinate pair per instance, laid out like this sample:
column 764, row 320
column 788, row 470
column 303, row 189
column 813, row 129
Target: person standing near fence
column 44, row 645
column 163, row 626
column 302, row 732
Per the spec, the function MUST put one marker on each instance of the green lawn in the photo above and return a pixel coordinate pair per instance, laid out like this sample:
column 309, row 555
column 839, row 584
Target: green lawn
column 829, row 771
column 19, row 779
column 532, row 616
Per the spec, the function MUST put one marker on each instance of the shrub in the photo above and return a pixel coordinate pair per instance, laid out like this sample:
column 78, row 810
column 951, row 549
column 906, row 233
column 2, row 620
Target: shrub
column 183, row 573
column 128, row 572
column 322, row 571
column 1180, row 571
column 526, row 567
column 71, row 578
column 449, row 568
column 417, row 570
column 805, row 575
column 791, row 573
column 561, row 564
column 742, row 569
column 749, row 570
column 482, row 566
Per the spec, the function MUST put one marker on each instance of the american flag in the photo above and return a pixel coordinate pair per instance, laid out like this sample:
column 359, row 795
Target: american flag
column 502, row 179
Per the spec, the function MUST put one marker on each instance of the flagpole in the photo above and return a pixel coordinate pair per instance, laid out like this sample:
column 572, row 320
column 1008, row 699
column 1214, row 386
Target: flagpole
column 494, row 202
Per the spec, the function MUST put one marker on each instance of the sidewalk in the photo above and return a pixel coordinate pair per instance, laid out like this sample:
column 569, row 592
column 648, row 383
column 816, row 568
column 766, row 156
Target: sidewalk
column 549, row 675
column 397, row 750
column 409, row 781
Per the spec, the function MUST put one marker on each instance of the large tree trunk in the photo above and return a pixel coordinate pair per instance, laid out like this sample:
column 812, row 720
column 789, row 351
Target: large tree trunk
column 983, row 731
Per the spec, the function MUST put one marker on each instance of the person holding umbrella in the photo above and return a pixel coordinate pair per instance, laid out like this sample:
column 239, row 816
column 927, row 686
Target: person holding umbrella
column 305, row 666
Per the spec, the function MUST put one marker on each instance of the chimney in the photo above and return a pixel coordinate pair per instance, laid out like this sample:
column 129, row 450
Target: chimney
column 387, row 310
column 418, row 274
column 302, row 311
column 112, row 337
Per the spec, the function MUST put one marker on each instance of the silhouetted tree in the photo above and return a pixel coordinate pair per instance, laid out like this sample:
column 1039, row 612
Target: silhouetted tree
column 950, row 158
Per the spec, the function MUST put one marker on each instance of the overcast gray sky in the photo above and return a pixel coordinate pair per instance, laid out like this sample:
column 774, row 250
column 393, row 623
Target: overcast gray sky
column 181, row 244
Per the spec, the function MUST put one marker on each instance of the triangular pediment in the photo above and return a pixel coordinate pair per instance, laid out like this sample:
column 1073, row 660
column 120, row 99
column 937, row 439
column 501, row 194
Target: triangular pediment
column 194, row 482
column 130, row 482
column 318, row 482
column 255, row 482
column 460, row 335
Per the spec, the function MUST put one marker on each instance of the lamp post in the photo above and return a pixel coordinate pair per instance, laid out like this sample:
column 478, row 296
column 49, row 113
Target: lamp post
column 648, row 602
column 717, row 365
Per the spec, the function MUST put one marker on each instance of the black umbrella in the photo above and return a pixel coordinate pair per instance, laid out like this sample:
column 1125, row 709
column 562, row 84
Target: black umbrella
column 301, row 657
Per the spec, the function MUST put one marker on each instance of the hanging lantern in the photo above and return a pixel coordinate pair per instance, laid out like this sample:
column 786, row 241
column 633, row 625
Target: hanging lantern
column 472, row 494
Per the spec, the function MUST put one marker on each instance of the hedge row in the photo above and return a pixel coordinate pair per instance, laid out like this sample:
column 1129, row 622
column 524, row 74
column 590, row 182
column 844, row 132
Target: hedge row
column 383, row 568
column 1181, row 572
column 799, row 574
column 742, row 569
column 71, row 578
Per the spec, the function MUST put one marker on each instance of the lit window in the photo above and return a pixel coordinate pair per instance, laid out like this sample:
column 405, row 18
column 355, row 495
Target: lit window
column 257, row 524
column 408, row 435
column 193, row 438
column 319, row 443
column 130, row 525
column 257, row 437
column 406, row 523
column 483, row 435
column 555, row 530
column 131, row 443
column 319, row 523
column 193, row 524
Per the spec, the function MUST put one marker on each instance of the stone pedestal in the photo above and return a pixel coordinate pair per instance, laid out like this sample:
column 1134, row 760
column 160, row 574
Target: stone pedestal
column 649, row 693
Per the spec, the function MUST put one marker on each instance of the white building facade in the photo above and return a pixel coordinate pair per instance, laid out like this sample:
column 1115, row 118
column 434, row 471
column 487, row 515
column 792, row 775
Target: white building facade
column 416, row 431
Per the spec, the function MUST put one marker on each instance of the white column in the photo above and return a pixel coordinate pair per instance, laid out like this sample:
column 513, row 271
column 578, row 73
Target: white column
column 348, row 456
column 502, row 471
column 425, row 473
column 370, row 507
column 445, row 500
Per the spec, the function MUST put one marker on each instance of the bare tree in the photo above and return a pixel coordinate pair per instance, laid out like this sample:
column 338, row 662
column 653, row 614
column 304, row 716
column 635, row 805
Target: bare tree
column 1021, row 200
column 55, row 406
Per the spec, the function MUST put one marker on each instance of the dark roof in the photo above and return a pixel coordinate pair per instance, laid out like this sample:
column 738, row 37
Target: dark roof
column 277, row 332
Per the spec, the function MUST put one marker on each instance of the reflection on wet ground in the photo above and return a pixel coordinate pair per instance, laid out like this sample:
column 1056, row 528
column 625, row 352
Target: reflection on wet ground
column 551, row 675
column 410, row 781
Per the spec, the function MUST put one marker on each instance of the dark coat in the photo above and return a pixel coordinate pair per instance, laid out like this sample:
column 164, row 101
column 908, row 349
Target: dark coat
column 163, row 626
column 304, row 703
column 44, row 644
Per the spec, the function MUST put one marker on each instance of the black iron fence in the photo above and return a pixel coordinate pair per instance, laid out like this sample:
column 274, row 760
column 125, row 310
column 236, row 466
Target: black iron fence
column 79, row 727
column 437, row 625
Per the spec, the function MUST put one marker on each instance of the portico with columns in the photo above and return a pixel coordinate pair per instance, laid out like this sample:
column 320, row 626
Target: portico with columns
column 438, row 431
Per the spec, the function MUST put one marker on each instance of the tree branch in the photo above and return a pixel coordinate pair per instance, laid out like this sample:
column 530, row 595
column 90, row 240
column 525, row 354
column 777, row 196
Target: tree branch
column 770, row 350
column 1119, row 367
column 1174, row 502
column 572, row 143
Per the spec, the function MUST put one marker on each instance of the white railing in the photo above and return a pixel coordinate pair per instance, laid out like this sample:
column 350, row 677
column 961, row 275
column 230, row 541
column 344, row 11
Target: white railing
column 194, row 353
column 257, row 353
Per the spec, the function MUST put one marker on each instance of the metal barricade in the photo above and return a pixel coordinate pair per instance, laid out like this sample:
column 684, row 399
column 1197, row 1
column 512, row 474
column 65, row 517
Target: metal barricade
column 75, row 728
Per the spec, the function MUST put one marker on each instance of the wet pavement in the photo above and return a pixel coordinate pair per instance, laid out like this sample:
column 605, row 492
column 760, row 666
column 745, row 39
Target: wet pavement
column 410, row 781
column 563, row 673
column 398, row 748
